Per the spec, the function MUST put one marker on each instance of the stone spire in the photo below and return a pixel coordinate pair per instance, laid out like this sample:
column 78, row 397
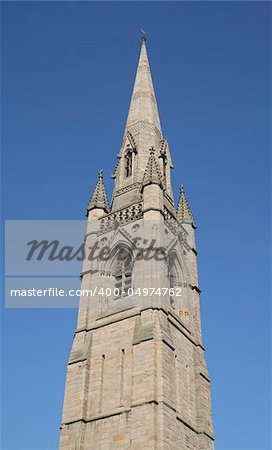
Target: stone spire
column 152, row 173
column 184, row 213
column 143, row 106
column 99, row 197
column 142, row 131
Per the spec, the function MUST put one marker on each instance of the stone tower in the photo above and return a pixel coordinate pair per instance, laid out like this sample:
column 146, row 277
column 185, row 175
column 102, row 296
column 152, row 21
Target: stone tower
column 137, row 376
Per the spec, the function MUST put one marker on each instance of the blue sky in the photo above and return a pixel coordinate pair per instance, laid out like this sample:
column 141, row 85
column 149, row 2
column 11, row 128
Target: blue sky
column 68, row 70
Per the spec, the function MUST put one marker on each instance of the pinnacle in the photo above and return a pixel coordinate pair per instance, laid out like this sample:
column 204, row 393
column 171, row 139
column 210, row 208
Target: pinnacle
column 152, row 174
column 99, row 197
column 184, row 213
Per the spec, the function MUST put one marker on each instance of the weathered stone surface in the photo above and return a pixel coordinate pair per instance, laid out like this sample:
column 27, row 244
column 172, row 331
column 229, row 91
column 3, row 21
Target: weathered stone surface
column 137, row 376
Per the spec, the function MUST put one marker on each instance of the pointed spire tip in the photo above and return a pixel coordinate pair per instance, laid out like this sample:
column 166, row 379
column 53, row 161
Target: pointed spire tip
column 143, row 107
column 143, row 36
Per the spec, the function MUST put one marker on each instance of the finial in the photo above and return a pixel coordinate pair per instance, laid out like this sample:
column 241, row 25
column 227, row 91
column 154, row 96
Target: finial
column 100, row 174
column 152, row 150
column 181, row 188
column 143, row 35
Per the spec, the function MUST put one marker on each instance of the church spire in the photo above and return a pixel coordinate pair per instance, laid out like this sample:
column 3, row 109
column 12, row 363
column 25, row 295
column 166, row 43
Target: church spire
column 143, row 105
column 142, row 132
column 184, row 213
column 140, row 247
column 99, row 197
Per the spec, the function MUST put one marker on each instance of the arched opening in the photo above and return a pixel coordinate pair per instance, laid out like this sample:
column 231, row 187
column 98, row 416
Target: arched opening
column 122, row 272
column 179, row 288
column 173, row 275
column 128, row 163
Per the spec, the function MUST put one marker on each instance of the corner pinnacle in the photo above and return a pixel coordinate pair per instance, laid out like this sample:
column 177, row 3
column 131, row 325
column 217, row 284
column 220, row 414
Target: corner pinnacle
column 184, row 213
column 99, row 198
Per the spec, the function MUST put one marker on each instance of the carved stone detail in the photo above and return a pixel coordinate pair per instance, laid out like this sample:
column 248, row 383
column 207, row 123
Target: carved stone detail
column 145, row 94
column 143, row 67
column 176, row 228
column 141, row 125
column 127, row 188
column 112, row 221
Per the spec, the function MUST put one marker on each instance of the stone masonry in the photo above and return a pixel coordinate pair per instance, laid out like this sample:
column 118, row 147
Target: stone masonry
column 137, row 376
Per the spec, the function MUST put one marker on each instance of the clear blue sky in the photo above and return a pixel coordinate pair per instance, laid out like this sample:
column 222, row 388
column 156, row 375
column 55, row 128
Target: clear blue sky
column 68, row 70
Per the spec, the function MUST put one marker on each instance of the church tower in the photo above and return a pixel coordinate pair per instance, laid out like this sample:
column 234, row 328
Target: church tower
column 137, row 376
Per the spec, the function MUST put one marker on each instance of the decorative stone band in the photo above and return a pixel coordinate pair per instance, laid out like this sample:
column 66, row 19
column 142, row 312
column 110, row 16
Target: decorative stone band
column 113, row 220
column 144, row 94
column 143, row 66
column 128, row 188
column 146, row 126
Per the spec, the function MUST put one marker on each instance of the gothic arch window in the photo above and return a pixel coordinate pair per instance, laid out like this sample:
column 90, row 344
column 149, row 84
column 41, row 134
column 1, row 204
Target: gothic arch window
column 173, row 270
column 128, row 163
column 122, row 272
column 173, row 274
